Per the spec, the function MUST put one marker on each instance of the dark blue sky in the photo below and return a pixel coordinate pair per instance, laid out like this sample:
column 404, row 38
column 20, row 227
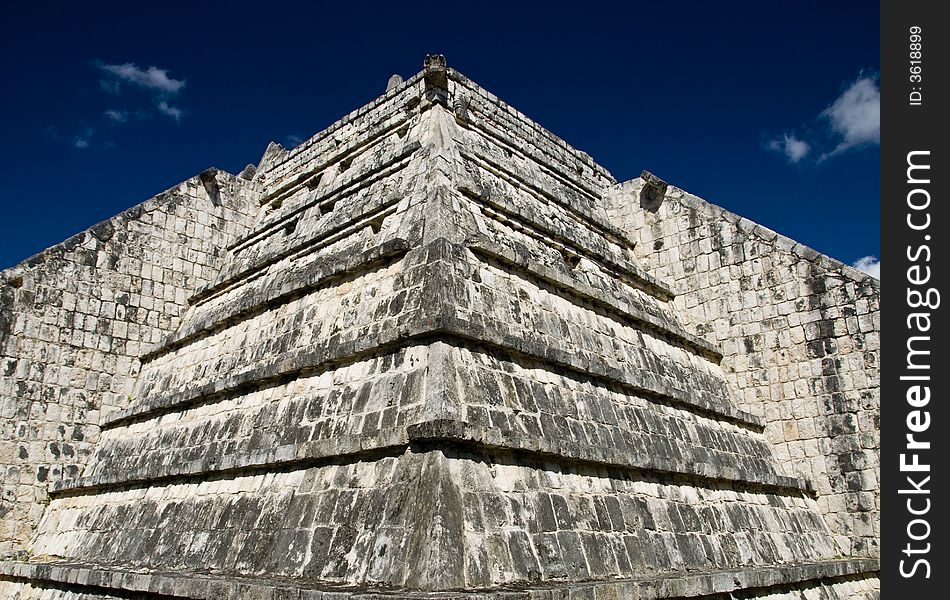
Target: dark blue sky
column 702, row 94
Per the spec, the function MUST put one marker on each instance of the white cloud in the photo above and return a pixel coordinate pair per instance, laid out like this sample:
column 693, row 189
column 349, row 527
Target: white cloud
column 793, row 148
column 870, row 265
column 119, row 116
column 851, row 121
column 151, row 78
column 153, row 81
column 171, row 111
column 856, row 114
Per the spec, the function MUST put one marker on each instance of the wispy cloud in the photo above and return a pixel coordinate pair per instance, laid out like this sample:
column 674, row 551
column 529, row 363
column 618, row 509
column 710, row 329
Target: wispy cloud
column 151, row 78
column 168, row 110
column 852, row 120
column 118, row 116
column 793, row 148
column 154, row 82
column 856, row 115
column 135, row 94
column 293, row 140
column 870, row 265
column 83, row 139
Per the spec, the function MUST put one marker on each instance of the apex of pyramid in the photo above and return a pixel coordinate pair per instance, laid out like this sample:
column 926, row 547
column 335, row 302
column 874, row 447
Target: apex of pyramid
column 436, row 78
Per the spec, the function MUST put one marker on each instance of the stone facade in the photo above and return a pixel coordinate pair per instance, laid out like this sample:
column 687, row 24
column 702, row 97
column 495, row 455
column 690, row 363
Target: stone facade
column 75, row 319
column 434, row 348
column 800, row 334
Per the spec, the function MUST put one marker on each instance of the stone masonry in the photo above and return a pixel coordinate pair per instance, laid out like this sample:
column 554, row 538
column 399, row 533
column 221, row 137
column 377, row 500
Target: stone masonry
column 75, row 319
column 800, row 334
column 436, row 352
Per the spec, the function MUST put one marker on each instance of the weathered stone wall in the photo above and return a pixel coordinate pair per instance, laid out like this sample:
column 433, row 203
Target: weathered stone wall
column 433, row 363
column 75, row 319
column 800, row 334
column 528, row 520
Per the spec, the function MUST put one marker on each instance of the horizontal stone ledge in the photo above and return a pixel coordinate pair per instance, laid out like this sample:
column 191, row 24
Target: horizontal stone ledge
column 491, row 334
column 403, row 97
column 450, row 430
column 312, row 243
column 218, row 587
column 285, row 286
column 411, row 329
column 284, row 189
column 501, row 209
column 435, row 430
column 382, row 169
column 578, row 193
column 333, row 352
column 436, row 321
column 493, row 250
column 281, row 457
column 520, row 182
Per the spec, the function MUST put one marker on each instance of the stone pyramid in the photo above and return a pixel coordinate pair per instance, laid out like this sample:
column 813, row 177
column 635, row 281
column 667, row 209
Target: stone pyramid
column 433, row 368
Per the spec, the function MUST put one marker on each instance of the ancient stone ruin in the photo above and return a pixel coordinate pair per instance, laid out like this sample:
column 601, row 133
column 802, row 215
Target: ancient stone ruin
column 436, row 349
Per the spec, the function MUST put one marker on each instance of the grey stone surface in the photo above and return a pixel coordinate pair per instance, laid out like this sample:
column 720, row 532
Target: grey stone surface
column 76, row 318
column 800, row 334
column 435, row 349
